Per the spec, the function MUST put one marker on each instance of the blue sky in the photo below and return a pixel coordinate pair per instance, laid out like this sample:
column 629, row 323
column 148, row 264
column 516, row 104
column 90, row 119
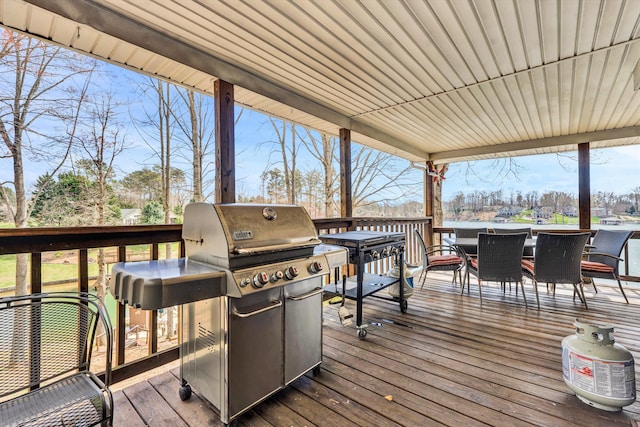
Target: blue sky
column 612, row 169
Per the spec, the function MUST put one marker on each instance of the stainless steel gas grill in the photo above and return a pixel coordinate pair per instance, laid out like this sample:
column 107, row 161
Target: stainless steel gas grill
column 365, row 247
column 258, row 327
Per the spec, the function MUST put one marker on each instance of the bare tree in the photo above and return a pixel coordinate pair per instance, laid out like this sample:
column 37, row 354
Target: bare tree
column 288, row 151
column 156, row 129
column 196, row 124
column 100, row 146
column 378, row 177
column 324, row 151
column 43, row 88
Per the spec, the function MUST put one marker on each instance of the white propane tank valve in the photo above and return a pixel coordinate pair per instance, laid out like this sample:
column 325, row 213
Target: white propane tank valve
column 599, row 371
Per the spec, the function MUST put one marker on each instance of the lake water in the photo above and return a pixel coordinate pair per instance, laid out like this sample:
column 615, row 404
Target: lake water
column 634, row 244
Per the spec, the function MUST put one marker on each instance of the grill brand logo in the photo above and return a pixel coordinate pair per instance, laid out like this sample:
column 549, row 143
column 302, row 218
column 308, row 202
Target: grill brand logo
column 242, row 235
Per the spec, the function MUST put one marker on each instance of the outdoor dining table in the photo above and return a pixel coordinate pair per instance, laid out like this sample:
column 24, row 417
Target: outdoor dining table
column 473, row 242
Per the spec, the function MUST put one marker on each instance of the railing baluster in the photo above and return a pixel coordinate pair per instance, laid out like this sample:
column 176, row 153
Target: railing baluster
column 36, row 272
column 153, row 314
column 83, row 270
column 120, row 335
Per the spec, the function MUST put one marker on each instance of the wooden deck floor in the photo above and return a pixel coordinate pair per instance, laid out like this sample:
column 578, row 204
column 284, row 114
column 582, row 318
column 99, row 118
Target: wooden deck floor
column 447, row 361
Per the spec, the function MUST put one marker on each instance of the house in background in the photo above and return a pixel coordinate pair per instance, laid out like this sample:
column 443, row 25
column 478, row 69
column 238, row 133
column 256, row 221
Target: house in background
column 506, row 211
column 541, row 212
column 131, row 216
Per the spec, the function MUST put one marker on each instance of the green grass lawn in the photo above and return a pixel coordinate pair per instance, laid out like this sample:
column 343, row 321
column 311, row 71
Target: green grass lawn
column 51, row 272
column 64, row 266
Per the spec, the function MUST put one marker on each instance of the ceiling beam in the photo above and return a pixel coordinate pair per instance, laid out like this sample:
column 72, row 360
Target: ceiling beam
column 532, row 144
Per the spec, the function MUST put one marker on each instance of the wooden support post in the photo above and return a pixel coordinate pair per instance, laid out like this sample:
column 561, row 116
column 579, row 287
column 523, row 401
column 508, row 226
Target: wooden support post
column 225, row 142
column 428, row 202
column 584, row 186
column 346, row 195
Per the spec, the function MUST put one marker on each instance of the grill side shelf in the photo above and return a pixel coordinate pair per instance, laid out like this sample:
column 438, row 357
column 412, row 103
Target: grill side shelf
column 151, row 285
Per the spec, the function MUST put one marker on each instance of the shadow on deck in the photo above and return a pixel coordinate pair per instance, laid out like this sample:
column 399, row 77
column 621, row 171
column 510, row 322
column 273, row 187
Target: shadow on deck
column 447, row 361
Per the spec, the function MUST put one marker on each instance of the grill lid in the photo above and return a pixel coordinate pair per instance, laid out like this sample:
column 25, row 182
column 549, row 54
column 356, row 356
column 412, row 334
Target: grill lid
column 236, row 235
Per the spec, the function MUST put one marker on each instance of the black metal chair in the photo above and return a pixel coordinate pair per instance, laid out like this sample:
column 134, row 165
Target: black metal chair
column 499, row 260
column 471, row 251
column 440, row 258
column 603, row 257
column 45, row 379
column 528, row 251
column 557, row 260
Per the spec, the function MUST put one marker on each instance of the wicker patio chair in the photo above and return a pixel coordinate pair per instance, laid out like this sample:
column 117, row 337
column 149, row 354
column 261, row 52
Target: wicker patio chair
column 528, row 251
column 499, row 260
column 557, row 260
column 46, row 341
column 440, row 258
column 603, row 257
column 471, row 251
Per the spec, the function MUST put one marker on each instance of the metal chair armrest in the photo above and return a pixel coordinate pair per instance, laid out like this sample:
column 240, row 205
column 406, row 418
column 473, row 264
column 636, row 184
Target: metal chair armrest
column 590, row 254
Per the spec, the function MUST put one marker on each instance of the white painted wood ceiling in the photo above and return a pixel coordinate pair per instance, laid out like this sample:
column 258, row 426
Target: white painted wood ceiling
column 445, row 80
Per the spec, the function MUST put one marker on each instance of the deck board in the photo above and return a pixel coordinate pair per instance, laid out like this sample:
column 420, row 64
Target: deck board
column 448, row 361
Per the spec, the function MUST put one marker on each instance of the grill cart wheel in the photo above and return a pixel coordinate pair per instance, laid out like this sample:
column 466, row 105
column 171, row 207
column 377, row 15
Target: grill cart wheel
column 316, row 370
column 185, row 392
column 404, row 305
column 362, row 333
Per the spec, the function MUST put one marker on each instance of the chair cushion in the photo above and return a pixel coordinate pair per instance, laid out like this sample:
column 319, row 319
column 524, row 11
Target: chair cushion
column 474, row 263
column 596, row 266
column 528, row 266
column 444, row 259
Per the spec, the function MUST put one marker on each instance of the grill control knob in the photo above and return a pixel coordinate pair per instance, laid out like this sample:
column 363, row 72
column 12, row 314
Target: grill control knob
column 291, row 272
column 375, row 254
column 315, row 267
column 260, row 279
column 394, row 251
column 245, row 282
column 276, row 276
column 385, row 252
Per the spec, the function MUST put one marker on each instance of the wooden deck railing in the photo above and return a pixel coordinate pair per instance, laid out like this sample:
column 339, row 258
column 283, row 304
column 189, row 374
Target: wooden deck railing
column 36, row 241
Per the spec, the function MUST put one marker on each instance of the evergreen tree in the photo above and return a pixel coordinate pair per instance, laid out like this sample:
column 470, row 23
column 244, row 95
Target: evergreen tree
column 152, row 213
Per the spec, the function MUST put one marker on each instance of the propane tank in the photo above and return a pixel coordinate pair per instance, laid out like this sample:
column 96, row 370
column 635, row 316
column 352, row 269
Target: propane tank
column 599, row 371
column 394, row 290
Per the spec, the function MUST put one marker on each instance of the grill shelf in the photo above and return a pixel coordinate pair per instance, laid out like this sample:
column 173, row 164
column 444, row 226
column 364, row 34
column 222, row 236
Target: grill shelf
column 371, row 283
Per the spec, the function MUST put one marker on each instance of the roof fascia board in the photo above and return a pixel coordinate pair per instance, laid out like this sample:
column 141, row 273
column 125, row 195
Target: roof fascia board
column 532, row 144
